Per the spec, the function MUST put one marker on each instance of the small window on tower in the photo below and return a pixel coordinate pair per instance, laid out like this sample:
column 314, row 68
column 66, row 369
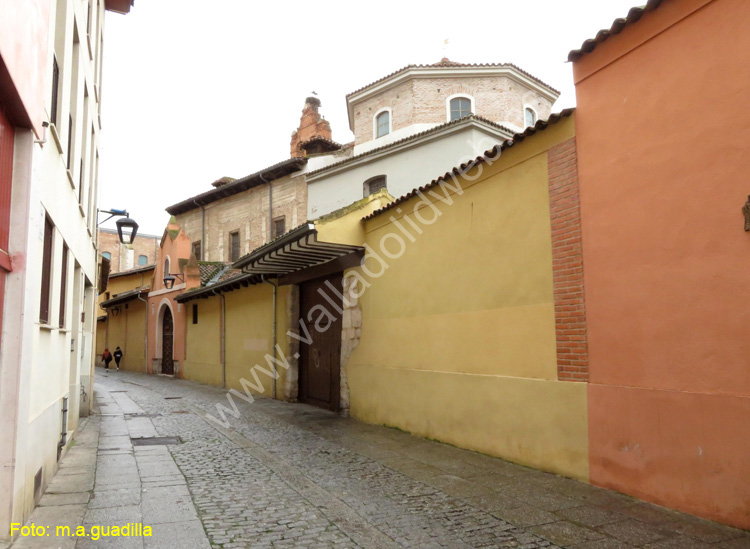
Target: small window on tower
column 197, row 250
column 279, row 227
column 374, row 184
column 383, row 124
column 234, row 246
column 460, row 107
column 530, row 117
column 142, row 260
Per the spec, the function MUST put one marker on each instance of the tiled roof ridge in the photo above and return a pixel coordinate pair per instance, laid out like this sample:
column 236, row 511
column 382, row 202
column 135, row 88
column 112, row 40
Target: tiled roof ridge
column 492, row 153
column 451, row 64
column 410, row 138
column 617, row 27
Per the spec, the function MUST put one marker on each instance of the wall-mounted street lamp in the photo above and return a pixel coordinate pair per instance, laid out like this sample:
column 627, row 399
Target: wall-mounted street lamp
column 115, row 311
column 127, row 228
column 170, row 278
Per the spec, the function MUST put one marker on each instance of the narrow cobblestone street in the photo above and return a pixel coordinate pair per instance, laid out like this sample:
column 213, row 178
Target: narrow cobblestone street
column 288, row 475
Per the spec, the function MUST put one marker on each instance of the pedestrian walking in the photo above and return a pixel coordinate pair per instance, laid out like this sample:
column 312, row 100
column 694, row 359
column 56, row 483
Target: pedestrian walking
column 118, row 356
column 107, row 358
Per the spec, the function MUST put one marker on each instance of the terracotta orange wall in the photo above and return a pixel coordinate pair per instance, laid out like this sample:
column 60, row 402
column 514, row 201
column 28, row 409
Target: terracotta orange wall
column 663, row 132
column 177, row 248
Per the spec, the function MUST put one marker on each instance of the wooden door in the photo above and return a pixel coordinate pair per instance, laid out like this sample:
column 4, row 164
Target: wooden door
column 167, row 338
column 320, row 358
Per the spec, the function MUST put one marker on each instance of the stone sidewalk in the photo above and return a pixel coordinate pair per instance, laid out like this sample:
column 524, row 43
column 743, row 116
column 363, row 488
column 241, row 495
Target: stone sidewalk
column 104, row 480
column 290, row 475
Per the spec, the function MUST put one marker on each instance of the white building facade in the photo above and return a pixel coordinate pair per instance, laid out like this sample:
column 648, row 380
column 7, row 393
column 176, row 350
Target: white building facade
column 49, row 131
column 419, row 122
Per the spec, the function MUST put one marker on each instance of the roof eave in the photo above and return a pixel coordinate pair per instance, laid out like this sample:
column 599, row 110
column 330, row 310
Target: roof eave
column 398, row 77
column 415, row 140
column 291, row 236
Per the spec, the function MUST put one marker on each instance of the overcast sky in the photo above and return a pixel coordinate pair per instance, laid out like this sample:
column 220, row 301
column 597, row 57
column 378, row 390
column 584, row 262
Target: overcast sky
column 195, row 90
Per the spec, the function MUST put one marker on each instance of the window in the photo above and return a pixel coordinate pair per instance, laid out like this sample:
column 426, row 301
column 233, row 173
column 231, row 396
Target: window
column 279, row 227
column 46, row 271
column 197, row 250
column 63, row 284
column 166, row 266
column 529, row 117
column 374, row 184
column 107, row 255
column 80, row 185
column 70, row 139
column 234, row 246
column 460, row 107
column 55, row 88
column 195, row 314
column 383, row 124
column 142, row 260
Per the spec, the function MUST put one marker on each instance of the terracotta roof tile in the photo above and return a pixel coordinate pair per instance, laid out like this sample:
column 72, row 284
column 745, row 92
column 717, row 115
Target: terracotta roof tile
column 617, row 26
column 445, row 62
column 492, row 153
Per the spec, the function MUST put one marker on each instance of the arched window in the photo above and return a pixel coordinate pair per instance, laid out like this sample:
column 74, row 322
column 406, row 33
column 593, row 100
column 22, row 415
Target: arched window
column 529, row 116
column 383, row 124
column 107, row 255
column 166, row 266
column 142, row 260
column 460, row 107
column 374, row 184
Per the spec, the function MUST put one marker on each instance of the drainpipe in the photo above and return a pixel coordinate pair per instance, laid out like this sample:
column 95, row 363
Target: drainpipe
column 203, row 228
column 275, row 288
column 145, row 333
column 270, row 206
column 223, row 341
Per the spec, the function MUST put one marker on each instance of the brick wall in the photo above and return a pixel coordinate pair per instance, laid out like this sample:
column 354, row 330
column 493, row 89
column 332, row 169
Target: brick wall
column 246, row 212
column 423, row 101
column 121, row 259
column 567, row 263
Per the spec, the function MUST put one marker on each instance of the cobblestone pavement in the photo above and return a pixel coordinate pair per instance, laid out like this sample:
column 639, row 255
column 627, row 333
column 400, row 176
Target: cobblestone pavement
column 290, row 475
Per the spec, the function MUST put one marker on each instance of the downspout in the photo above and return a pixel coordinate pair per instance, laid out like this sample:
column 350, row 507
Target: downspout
column 270, row 206
column 203, row 229
column 223, row 340
column 145, row 333
column 275, row 288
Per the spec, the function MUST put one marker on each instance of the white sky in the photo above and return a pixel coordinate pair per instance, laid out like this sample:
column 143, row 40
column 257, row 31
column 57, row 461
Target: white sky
column 196, row 90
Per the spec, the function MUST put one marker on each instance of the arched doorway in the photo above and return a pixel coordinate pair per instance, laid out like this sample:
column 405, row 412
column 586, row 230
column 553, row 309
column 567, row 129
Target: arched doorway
column 167, row 339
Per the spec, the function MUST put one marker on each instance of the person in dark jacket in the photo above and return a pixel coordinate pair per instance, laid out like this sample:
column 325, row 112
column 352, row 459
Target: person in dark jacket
column 118, row 356
column 107, row 358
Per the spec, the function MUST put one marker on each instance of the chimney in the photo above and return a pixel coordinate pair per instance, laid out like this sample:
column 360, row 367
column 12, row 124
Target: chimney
column 310, row 125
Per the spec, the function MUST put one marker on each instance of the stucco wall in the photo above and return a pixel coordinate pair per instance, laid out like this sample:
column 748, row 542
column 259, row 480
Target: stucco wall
column 458, row 333
column 128, row 331
column 663, row 174
column 249, row 335
column 249, row 339
column 203, row 342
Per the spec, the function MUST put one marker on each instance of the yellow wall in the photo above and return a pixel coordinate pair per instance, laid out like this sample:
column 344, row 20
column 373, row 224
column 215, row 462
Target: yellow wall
column 134, row 359
column 458, row 334
column 250, row 335
column 345, row 226
column 128, row 330
column 203, row 350
column 249, row 338
column 101, row 334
